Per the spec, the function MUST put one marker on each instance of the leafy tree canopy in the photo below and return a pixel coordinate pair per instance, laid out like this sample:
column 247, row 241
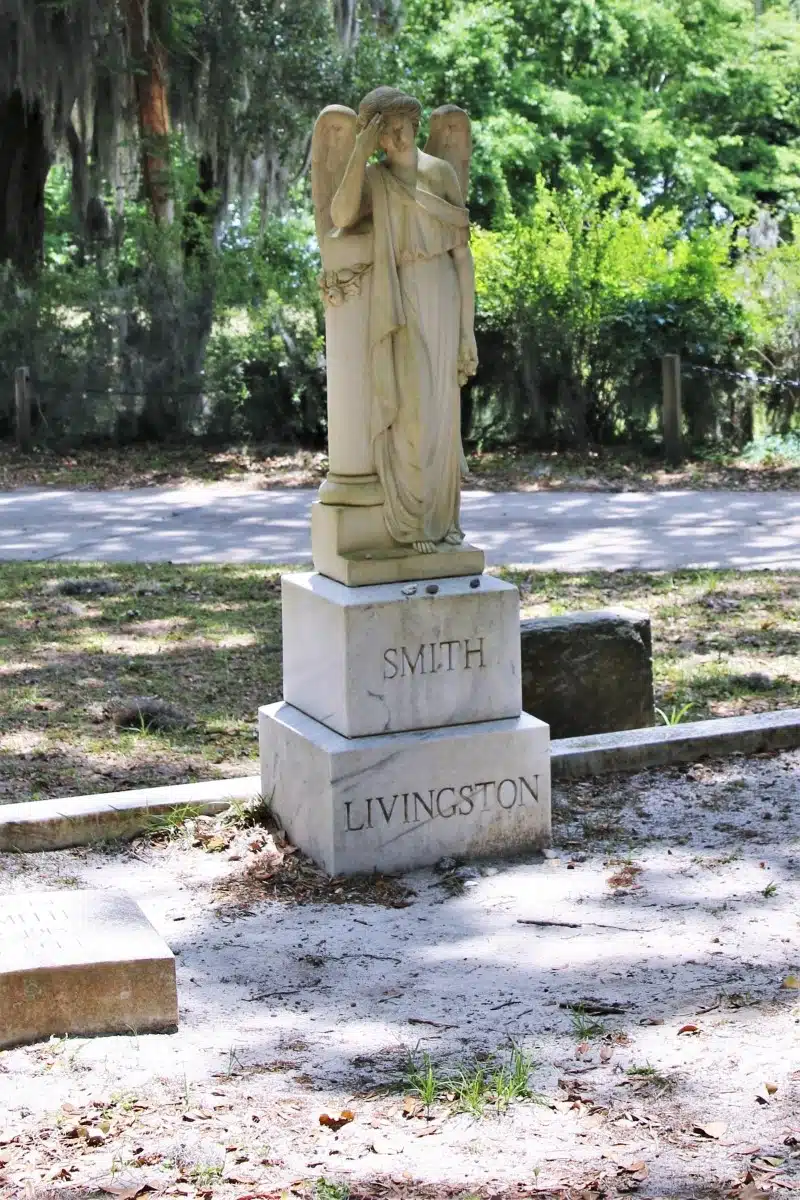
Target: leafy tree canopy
column 698, row 100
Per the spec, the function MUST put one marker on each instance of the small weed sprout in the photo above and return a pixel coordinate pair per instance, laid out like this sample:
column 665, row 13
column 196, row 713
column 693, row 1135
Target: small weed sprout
column 171, row 823
column 770, row 890
column 675, row 715
column 651, row 1074
column 470, row 1090
column 422, row 1081
column 512, row 1081
column 234, row 1062
column 584, row 1026
column 325, row 1189
column 204, row 1174
column 244, row 814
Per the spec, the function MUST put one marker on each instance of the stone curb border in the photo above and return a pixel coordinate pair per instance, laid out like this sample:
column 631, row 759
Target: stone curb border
column 660, row 746
column 79, row 820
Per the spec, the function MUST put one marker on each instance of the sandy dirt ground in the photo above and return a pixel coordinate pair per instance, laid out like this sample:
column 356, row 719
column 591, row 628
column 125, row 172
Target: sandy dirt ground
column 671, row 901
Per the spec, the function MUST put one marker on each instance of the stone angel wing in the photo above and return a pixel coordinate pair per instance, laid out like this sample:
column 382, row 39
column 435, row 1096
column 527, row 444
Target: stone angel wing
column 450, row 138
column 332, row 144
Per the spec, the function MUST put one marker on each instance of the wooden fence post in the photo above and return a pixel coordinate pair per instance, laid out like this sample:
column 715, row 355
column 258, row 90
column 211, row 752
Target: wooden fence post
column 22, row 408
column 671, row 407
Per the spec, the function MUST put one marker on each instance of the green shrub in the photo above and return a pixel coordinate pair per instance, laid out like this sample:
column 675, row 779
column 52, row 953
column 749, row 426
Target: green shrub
column 578, row 300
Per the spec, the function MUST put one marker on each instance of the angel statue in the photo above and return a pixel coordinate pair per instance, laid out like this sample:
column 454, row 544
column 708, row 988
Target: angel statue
column 421, row 340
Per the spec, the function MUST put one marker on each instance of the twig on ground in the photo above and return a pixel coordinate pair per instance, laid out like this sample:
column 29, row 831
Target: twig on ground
column 283, row 992
column 584, row 924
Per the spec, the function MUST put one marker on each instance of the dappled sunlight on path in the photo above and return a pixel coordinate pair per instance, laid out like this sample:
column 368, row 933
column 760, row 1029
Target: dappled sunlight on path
column 548, row 531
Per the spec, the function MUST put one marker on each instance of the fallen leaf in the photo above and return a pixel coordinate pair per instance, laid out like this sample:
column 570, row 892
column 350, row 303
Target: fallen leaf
column 652, row 1021
column 751, row 1191
column 791, row 982
column 75, row 1132
column 771, row 1088
column 62, row 1172
column 638, row 1169
column 688, row 1029
column 606, row 1053
column 594, row 1121
column 412, row 1107
column 713, row 1129
column 336, row 1123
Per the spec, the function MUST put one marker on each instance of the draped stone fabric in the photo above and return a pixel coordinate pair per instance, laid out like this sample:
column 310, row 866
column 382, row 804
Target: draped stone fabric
column 414, row 341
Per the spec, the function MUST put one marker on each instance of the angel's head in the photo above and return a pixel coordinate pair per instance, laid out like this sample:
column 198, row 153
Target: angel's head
column 449, row 121
column 333, row 136
column 401, row 115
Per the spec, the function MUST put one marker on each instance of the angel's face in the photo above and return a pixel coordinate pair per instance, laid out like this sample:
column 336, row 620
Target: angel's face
column 449, row 133
column 397, row 135
column 336, row 132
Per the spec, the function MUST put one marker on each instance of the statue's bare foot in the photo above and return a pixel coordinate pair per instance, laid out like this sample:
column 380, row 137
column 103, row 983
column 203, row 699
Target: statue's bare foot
column 453, row 537
column 425, row 547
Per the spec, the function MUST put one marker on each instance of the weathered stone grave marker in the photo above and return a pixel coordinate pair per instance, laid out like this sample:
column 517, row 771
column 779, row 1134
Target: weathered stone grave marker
column 81, row 963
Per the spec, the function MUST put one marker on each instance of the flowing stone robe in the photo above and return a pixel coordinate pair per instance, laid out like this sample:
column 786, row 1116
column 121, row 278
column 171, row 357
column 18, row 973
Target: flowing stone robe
column 415, row 327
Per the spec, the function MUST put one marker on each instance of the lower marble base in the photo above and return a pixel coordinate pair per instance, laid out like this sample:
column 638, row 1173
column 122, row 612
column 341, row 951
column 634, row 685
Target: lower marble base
column 392, row 802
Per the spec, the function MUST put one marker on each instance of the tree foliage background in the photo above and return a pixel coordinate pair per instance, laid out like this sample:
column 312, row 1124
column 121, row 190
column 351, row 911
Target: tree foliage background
column 636, row 191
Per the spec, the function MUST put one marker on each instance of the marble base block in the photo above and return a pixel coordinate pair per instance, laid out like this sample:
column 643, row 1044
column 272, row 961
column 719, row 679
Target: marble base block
column 397, row 801
column 377, row 660
column 82, row 963
column 349, row 543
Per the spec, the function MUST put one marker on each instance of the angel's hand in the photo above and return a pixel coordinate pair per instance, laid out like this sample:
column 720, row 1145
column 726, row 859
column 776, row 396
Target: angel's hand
column 467, row 358
column 367, row 140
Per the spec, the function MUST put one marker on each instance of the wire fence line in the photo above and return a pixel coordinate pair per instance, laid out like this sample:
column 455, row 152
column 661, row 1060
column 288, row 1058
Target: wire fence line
column 747, row 376
column 53, row 385
column 687, row 368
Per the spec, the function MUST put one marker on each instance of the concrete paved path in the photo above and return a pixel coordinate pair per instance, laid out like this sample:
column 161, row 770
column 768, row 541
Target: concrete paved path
column 565, row 531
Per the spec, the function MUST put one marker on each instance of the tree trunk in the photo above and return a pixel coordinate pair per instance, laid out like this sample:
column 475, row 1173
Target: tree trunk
column 24, row 164
column 150, row 79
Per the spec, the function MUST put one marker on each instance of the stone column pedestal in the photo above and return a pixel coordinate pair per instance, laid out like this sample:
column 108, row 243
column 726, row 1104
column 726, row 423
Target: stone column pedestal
column 347, row 291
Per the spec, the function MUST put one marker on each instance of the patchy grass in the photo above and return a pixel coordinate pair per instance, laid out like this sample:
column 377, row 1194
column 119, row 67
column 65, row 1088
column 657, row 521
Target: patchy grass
column 267, row 465
column 487, row 1082
column 206, row 641
column 724, row 642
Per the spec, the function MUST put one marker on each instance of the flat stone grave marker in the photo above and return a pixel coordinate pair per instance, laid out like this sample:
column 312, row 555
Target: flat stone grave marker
column 80, row 963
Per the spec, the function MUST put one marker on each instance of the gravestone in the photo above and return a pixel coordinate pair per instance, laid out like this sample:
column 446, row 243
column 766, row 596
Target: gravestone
column 401, row 737
column 589, row 672
column 81, row 963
